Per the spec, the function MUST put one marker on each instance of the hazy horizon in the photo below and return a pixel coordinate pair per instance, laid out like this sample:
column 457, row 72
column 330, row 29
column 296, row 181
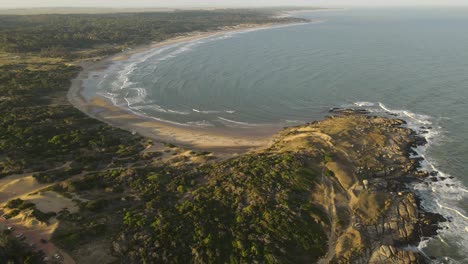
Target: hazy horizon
column 8, row 4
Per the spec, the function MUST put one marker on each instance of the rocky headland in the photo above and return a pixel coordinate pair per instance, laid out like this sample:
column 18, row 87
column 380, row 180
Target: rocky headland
column 367, row 166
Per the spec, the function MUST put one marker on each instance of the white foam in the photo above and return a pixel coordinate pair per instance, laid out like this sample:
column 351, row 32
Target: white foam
column 418, row 118
column 153, row 107
column 138, row 98
column 202, row 123
column 236, row 122
column 212, row 111
column 363, row 104
column 452, row 209
column 294, row 121
column 178, row 112
column 206, row 111
column 111, row 96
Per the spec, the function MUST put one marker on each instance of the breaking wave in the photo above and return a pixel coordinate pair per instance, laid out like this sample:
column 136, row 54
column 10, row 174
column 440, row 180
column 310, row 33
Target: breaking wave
column 236, row 122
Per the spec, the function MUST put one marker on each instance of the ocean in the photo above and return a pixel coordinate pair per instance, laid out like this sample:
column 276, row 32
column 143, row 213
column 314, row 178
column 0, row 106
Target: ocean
column 412, row 63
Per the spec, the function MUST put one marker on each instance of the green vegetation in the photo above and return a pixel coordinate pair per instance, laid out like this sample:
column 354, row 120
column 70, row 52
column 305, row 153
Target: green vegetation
column 41, row 133
column 254, row 208
column 14, row 251
column 18, row 205
column 61, row 35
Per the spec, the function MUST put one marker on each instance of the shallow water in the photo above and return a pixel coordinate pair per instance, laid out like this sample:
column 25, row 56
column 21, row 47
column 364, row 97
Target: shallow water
column 412, row 62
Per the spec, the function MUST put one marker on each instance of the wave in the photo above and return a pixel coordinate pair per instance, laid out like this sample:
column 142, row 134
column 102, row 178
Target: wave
column 206, row 111
column 212, row 111
column 111, row 96
column 453, row 210
column 157, row 108
column 202, row 123
column 152, row 107
column 122, row 81
column 421, row 119
column 294, row 121
column 138, row 98
column 178, row 112
column 236, row 122
column 440, row 193
column 363, row 104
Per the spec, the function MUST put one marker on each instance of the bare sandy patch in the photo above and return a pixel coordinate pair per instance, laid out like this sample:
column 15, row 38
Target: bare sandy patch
column 51, row 202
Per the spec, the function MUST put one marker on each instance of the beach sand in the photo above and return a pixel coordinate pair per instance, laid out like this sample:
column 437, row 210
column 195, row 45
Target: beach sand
column 216, row 139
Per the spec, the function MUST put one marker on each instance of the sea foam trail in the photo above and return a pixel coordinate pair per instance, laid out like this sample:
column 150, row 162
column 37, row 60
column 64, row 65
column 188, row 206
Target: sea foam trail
column 212, row 111
column 236, row 122
column 441, row 196
column 202, row 123
column 206, row 111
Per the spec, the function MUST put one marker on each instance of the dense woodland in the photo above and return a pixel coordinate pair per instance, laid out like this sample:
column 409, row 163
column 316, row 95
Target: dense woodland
column 58, row 35
column 251, row 209
column 38, row 134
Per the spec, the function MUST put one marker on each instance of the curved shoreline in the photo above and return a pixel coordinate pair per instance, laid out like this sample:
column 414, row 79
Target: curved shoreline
column 217, row 139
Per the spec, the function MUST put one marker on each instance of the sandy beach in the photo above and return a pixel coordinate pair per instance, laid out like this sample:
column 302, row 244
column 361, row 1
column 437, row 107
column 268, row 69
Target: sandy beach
column 217, row 139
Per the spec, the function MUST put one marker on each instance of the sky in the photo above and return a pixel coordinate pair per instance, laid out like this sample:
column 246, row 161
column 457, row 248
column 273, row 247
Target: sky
column 223, row 3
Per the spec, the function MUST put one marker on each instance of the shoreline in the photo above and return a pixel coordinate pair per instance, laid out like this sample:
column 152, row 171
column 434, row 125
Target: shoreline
column 220, row 139
column 217, row 139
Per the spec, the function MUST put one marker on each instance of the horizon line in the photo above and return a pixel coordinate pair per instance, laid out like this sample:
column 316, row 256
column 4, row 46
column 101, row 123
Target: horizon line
column 230, row 6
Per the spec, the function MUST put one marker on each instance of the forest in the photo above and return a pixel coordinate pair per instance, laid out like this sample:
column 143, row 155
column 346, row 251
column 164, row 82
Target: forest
column 60, row 35
column 251, row 209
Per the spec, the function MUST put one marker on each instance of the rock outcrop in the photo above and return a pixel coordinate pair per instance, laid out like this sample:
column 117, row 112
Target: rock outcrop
column 366, row 166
